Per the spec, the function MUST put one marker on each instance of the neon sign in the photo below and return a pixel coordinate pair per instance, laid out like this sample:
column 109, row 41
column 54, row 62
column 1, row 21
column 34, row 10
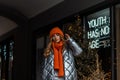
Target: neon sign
column 99, row 32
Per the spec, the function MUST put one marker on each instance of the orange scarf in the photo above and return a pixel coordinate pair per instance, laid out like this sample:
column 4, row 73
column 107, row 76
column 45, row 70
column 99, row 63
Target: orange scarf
column 58, row 59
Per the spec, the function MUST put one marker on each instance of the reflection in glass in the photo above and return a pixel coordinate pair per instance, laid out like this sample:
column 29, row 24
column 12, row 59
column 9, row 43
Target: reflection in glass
column 11, row 46
column 4, row 62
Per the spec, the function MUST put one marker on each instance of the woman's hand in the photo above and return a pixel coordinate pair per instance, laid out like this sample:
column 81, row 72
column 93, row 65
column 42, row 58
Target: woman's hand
column 67, row 36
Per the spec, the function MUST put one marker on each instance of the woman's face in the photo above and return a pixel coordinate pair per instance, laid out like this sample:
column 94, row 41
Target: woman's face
column 56, row 38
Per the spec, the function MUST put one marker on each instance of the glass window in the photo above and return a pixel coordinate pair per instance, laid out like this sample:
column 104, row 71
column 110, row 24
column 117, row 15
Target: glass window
column 11, row 51
column 98, row 33
column 4, row 65
column 6, row 59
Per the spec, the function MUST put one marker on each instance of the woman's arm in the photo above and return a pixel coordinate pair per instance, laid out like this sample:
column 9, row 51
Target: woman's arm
column 74, row 46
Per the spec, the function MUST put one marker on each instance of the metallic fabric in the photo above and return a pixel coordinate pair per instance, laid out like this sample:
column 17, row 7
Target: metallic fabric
column 69, row 65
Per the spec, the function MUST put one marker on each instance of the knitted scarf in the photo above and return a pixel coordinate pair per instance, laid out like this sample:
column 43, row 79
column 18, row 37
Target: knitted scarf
column 58, row 58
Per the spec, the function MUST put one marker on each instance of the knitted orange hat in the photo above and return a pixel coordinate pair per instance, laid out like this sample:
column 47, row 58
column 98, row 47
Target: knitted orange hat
column 56, row 30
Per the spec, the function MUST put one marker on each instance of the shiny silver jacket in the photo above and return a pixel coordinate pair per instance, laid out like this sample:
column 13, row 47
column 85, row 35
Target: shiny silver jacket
column 71, row 50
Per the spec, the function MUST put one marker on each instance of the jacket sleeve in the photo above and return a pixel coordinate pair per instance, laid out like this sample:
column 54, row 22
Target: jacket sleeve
column 75, row 47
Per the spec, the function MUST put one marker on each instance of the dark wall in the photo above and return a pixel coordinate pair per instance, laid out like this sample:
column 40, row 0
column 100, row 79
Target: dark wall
column 22, row 55
column 62, row 10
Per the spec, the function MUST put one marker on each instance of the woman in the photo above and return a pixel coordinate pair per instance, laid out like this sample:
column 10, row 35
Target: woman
column 59, row 60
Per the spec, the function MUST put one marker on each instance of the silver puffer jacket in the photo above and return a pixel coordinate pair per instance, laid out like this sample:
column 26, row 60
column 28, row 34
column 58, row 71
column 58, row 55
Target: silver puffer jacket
column 69, row 68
